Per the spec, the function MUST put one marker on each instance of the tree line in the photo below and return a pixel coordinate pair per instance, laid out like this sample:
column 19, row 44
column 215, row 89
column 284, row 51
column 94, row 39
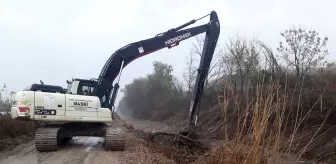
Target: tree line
column 239, row 65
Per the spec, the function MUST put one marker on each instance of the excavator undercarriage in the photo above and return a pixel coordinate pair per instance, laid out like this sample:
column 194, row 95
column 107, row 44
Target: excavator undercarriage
column 50, row 137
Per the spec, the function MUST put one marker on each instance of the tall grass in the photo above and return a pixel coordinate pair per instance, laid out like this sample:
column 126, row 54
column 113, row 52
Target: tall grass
column 267, row 128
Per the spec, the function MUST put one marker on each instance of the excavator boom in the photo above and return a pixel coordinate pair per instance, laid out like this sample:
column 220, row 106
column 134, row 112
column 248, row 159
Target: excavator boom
column 123, row 56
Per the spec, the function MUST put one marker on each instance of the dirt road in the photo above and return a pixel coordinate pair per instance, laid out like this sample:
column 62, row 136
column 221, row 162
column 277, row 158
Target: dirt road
column 88, row 150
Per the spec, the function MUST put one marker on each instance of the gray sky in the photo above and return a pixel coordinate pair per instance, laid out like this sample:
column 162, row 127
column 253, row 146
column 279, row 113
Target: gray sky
column 56, row 40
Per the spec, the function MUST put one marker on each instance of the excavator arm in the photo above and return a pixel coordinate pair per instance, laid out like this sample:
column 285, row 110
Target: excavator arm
column 123, row 56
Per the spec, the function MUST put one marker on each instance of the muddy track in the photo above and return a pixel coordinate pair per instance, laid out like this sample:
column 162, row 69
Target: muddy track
column 87, row 150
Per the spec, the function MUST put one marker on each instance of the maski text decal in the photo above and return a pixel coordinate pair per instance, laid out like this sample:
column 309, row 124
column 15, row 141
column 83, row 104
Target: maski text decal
column 76, row 103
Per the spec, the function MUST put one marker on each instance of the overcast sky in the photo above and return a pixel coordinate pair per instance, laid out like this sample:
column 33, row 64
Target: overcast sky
column 56, row 40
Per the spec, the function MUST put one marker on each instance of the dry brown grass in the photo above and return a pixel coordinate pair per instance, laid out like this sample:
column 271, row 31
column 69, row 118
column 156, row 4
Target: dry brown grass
column 262, row 127
column 170, row 147
column 264, row 132
column 10, row 128
column 270, row 124
column 12, row 132
column 140, row 151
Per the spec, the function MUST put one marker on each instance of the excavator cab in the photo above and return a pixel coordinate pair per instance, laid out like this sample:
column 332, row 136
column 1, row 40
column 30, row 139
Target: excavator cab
column 87, row 87
column 81, row 86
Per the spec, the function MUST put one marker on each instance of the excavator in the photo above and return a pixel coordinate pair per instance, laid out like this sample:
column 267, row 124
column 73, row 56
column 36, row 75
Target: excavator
column 86, row 106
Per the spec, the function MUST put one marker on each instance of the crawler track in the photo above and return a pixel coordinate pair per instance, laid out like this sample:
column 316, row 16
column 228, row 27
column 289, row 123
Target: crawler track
column 114, row 139
column 46, row 139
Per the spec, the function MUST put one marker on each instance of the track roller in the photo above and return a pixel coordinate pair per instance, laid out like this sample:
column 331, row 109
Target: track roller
column 114, row 139
column 46, row 139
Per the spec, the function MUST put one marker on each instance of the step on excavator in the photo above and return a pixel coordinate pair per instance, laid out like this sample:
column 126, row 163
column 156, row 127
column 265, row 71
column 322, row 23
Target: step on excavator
column 86, row 106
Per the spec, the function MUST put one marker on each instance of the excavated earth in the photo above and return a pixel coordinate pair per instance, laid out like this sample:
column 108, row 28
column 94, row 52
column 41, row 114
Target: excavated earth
column 88, row 150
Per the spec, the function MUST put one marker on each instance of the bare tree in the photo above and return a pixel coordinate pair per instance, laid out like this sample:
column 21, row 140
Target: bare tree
column 270, row 60
column 243, row 58
column 190, row 73
column 304, row 50
column 228, row 70
column 215, row 69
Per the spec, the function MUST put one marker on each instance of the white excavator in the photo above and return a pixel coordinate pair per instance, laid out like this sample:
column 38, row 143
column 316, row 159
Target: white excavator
column 86, row 107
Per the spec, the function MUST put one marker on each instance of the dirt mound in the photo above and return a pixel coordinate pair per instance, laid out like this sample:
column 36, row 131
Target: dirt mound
column 10, row 143
column 140, row 151
column 10, row 128
column 318, row 143
column 313, row 144
column 173, row 147
column 14, row 132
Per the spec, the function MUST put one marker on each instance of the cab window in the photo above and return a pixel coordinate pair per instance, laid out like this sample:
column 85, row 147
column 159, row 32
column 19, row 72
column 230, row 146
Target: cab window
column 84, row 89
